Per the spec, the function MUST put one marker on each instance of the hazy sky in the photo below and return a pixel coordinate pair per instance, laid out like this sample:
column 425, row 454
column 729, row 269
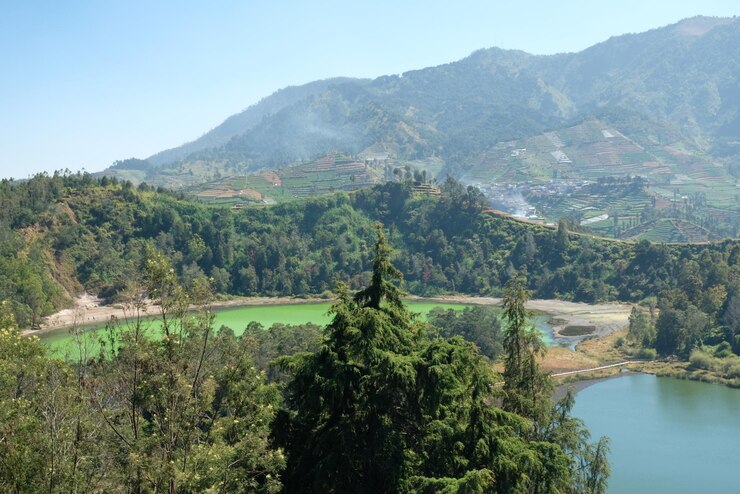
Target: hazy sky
column 83, row 83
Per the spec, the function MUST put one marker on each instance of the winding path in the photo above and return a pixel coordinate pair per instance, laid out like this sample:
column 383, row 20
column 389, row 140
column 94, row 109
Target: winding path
column 592, row 369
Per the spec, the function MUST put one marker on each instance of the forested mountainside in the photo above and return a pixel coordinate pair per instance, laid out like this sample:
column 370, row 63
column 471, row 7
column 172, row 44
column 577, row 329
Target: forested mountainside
column 680, row 79
column 61, row 235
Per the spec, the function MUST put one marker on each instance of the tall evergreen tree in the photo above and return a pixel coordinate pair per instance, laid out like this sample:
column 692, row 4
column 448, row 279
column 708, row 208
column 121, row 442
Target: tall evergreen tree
column 569, row 463
column 526, row 387
column 349, row 403
column 384, row 408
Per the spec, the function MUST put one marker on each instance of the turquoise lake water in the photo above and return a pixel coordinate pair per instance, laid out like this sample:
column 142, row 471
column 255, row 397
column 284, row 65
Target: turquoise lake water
column 666, row 435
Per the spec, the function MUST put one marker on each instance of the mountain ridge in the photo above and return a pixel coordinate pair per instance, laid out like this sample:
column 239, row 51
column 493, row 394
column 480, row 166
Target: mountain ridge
column 244, row 120
column 456, row 109
column 673, row 92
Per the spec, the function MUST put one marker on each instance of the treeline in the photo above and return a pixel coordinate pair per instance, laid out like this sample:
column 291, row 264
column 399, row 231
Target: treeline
column 701, row 309
column 376, row 402
column 93, row 233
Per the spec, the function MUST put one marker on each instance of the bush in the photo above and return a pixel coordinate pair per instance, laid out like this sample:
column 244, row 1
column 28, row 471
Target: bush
column 724, row 353
column 723, row 350
column 701, row 360
column 732, row 369
column 647, row 354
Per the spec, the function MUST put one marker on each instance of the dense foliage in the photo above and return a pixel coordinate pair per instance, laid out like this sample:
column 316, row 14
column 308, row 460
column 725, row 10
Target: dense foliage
column 703, row 307
column 179, row 408
column 480, row 325
column 80, row 233
column 382, row 407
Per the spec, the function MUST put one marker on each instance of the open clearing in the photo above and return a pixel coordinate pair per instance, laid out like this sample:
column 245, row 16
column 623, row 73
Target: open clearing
column 604, row 318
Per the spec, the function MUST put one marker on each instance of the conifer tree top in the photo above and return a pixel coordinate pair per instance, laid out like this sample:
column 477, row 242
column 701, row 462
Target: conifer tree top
column 381, row 287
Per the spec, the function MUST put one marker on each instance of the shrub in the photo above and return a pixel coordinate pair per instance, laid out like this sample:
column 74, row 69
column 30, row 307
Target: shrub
column 701, row 360
column 732, row 369
column 724, row 353
column 647, row 354
column 723, row 350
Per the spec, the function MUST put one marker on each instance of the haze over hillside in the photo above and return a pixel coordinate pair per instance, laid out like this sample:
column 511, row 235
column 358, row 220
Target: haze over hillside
column 683, row 76
column 670, row 94
column 370, row 285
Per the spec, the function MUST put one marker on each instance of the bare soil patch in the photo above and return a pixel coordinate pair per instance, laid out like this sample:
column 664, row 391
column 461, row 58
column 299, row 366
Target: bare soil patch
column 220, row 191
column 605, row 319
column 272, row 177
column 251, row 194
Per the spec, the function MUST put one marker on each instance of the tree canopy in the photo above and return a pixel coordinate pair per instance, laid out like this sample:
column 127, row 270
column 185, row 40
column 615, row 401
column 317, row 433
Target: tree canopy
column 385, row 407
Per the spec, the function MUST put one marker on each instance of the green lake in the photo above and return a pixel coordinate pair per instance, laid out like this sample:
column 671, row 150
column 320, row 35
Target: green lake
column 666, row 435
column 237, row 318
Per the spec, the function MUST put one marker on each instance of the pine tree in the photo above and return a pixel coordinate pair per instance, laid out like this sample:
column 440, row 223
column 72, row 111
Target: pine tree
column 526, row 387
column 384, row 408
column 349, row 403
column 567, row 462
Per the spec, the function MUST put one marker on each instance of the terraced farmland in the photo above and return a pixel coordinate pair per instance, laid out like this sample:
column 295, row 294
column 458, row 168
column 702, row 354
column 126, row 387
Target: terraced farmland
column 589, row 150
column 669, row 230
column 594, row 149
column 328, row 174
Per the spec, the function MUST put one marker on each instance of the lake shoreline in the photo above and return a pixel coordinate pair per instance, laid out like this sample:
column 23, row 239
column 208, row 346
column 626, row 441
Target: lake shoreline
column 604, row 318
column 682, row 370
column 580, row 385
column 690, row 427
column 87, row 312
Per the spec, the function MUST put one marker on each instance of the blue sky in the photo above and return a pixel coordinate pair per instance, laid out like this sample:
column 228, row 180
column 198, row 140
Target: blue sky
column 83, row 83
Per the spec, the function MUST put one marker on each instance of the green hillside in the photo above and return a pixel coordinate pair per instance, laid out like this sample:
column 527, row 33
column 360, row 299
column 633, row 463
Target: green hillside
column 660, row 104
column 329, row 174
column 65, row 234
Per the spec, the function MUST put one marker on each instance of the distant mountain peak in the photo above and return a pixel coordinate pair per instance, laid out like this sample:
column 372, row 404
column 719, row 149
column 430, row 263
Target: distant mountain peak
column 681, row 76
column 696, row 27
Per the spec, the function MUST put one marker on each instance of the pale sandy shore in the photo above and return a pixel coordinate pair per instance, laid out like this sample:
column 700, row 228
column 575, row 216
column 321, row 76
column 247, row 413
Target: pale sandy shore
column 604, row 318
column 89, row 311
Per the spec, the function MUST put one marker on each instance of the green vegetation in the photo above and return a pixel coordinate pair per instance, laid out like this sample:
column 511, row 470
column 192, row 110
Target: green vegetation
column 701, row 310
column 373, row 403
column 329, row 174
column 721, row 362
column 89, row 234
column 658, row 104
column 641, row 189
column 696, row 322
column 383, row 408
column 182, row 409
